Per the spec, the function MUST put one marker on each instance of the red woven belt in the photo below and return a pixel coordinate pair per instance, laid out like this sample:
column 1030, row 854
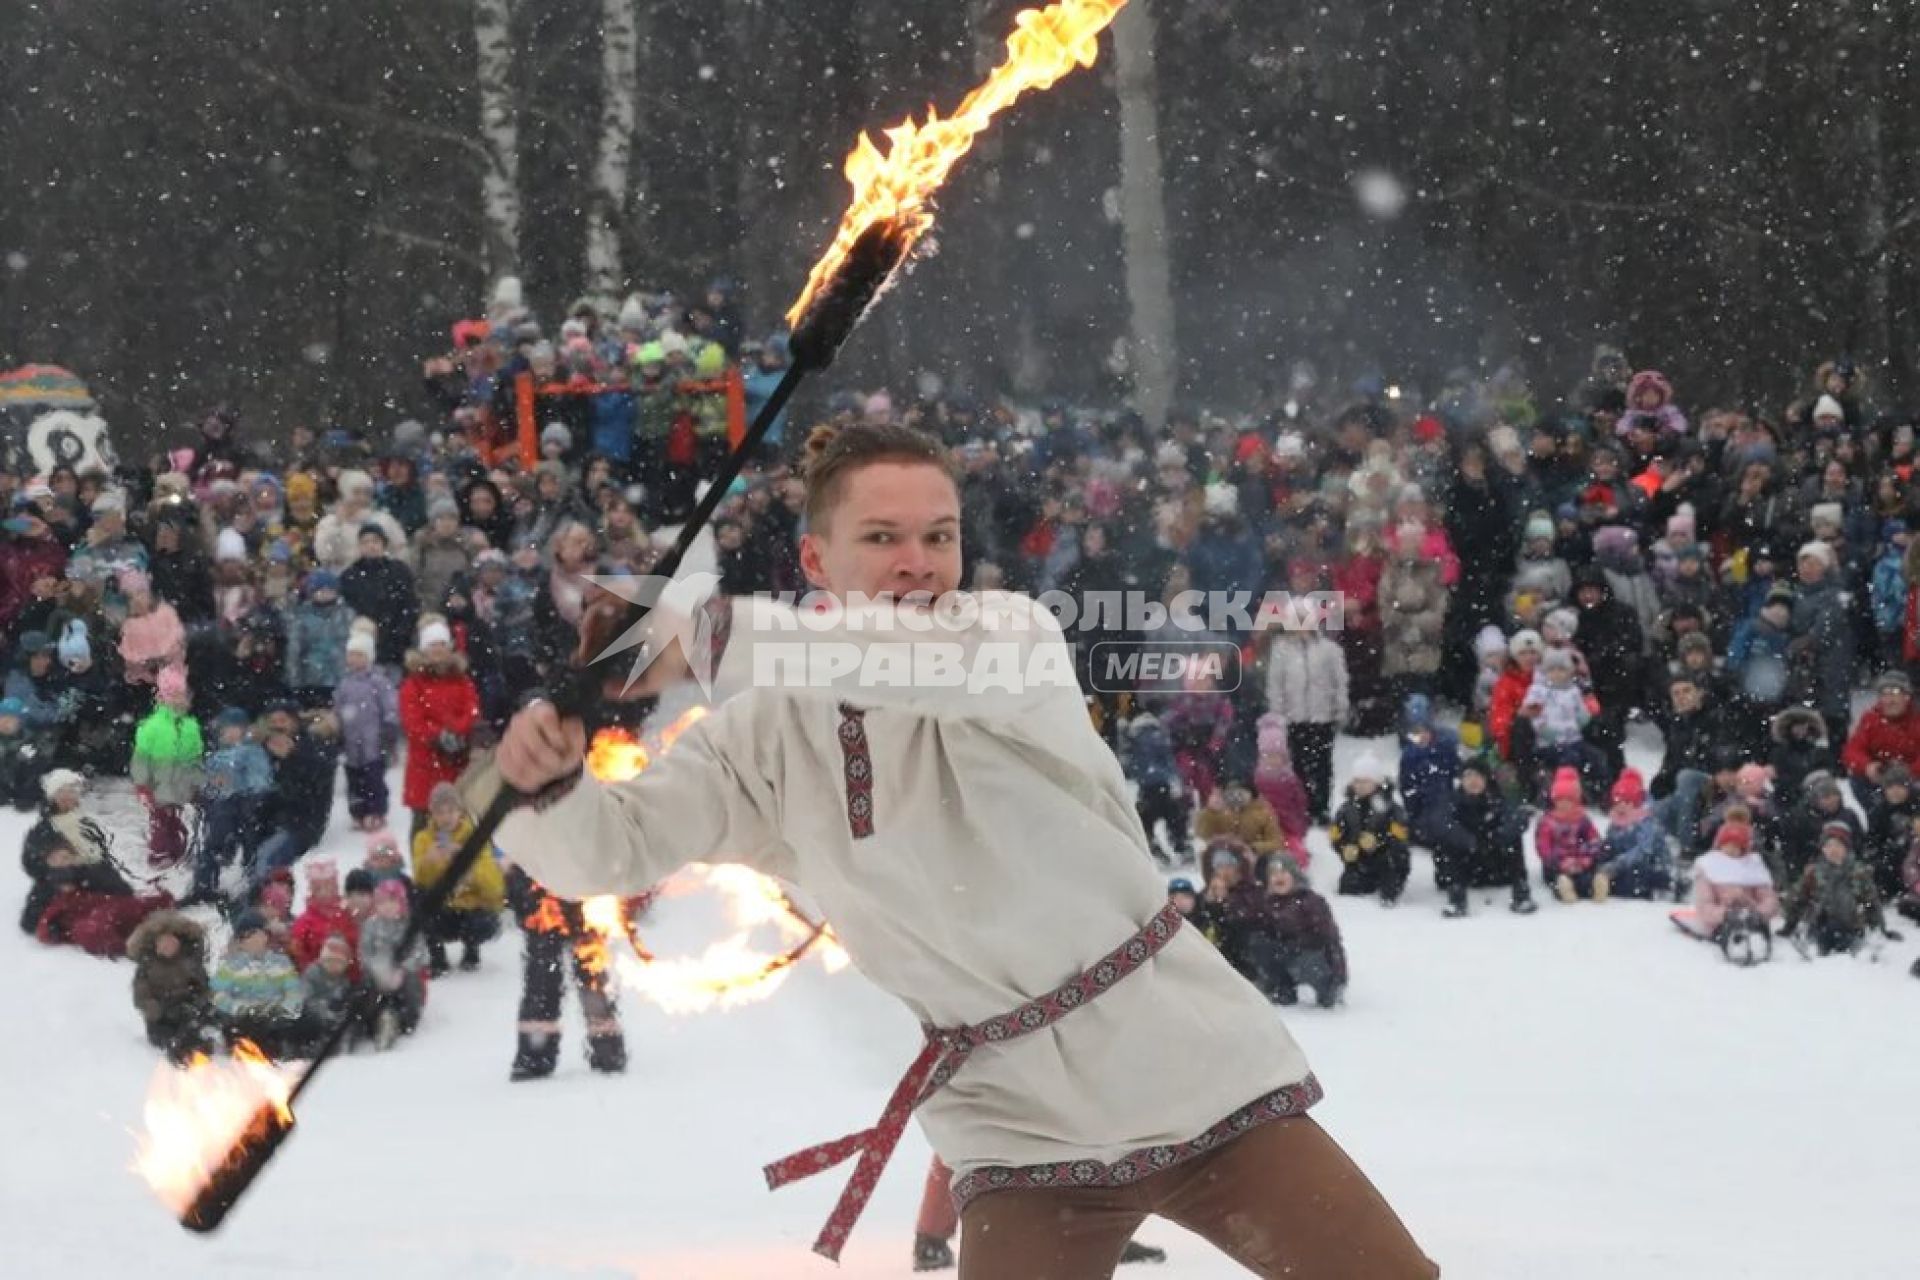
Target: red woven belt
column 947, row 1050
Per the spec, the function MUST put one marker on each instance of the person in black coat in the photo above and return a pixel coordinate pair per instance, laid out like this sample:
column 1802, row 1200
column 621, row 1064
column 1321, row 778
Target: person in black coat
column 382, row 588
column 298, row 808
column 1800, row 834
column 1800, row 748
column 1481, row 524
column 1497, row 830
column 1610, row 640
column 181, row 572
column 482, row 508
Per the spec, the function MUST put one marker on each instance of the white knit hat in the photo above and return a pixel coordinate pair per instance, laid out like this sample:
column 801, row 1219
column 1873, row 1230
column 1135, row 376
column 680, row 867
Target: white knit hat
column 1827, row 407
column 362, row 642
column 1488, row 642
column 434, row 633
column 230, row 546
column 1527, row 640
column 1369, row 766
column 54, row 781
column 1819, row 551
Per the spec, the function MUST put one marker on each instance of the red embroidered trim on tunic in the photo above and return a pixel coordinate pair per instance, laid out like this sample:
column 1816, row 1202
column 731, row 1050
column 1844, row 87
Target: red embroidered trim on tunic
column 1293, row 1100
column 859, row 771
column 946, row 1051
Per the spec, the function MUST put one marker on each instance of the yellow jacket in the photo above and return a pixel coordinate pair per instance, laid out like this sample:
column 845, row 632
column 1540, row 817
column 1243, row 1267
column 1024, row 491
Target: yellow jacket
column 484, row 889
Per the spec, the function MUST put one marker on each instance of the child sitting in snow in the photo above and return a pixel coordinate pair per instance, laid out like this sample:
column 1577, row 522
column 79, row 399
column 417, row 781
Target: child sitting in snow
column 256, row 993
column 472, row 915
column 1235, row 813
column 327, row 986
column 1635, row 859
column 1289, row 939
column 1569, row 844
column 170, row 987
column 1280, row 786
column 1370, row 835
column 386, row 862
column 1560, row 711
column 325, row 915
column 1497, row 829
column 398, row 981
column 238, row 778
column 1834, row 898
column 275, row 905
column 1729, row 878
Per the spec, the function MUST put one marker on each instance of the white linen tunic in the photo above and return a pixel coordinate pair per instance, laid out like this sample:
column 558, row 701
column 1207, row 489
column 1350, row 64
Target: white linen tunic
column 1002, row 857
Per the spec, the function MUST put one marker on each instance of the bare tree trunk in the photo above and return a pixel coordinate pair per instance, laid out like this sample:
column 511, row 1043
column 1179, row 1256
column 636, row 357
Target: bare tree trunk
column 1143, row 215
column 619, row 113
column 1875, row 325
column 499, row 134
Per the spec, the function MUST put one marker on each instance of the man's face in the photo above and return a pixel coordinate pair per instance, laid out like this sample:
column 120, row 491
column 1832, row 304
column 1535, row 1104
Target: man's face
column 1894, row 703
column 1812, row 569
column 1686, row 696
column 1473, row 782
column 896, row 530
column 372, row 546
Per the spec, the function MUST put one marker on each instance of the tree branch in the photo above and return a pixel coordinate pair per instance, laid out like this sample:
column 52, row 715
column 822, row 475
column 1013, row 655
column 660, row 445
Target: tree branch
column 309, row 97
column 432, row 244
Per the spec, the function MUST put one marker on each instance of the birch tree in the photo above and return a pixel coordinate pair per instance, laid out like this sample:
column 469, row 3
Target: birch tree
column 613, row 155
column 1143, row 214
column 499, row 134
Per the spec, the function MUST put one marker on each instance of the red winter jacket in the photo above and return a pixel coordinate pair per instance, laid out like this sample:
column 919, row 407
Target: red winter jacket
column 22, row 563
column 97, row 923
column 1876, row 738
column 435, row 698
column 316, row 924
column 1508, row 693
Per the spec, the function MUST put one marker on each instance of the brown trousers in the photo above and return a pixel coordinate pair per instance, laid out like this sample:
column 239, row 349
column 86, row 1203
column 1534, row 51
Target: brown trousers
column 1281, row 1200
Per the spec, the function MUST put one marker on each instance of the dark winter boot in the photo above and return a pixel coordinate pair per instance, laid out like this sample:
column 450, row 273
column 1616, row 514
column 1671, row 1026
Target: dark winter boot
column 1456, row 904
column 1137, row 1252
column 437, row 957
column 607, row 1054
column 536, row 1058
column 469, row 958
column 931, row 1253
column 1523, row 903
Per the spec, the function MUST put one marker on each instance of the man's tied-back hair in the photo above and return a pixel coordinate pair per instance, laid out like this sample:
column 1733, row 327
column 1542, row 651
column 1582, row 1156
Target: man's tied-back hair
column 834, row 453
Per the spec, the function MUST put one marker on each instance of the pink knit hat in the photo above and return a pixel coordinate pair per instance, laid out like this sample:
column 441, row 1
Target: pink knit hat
column 173, row 683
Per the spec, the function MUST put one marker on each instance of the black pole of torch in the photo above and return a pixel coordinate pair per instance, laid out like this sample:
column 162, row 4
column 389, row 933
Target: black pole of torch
column 816, row 342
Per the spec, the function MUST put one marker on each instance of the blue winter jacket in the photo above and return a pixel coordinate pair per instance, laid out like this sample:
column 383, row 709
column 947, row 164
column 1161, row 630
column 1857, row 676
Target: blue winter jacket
column 613, row 425
column 1428, row 773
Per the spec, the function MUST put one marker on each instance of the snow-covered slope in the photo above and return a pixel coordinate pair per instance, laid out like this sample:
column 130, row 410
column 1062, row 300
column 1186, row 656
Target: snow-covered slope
column 1583, row 1094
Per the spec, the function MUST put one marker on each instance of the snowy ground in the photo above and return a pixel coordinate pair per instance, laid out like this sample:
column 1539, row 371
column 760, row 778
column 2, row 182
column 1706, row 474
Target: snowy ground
column 1584, row 1094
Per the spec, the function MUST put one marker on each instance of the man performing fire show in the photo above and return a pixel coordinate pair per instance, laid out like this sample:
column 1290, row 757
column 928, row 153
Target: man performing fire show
column 1088, row 1062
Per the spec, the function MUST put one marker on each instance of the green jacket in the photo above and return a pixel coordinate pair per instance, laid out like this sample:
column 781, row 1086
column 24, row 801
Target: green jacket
column 166, row 755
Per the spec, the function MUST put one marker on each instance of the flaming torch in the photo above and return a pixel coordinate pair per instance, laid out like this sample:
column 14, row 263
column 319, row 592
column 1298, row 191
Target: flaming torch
column 891, row 210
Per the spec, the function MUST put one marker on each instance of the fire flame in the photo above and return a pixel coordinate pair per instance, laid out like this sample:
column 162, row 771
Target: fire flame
column 196, row 1116
column 728, row 973
column 899, row 186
